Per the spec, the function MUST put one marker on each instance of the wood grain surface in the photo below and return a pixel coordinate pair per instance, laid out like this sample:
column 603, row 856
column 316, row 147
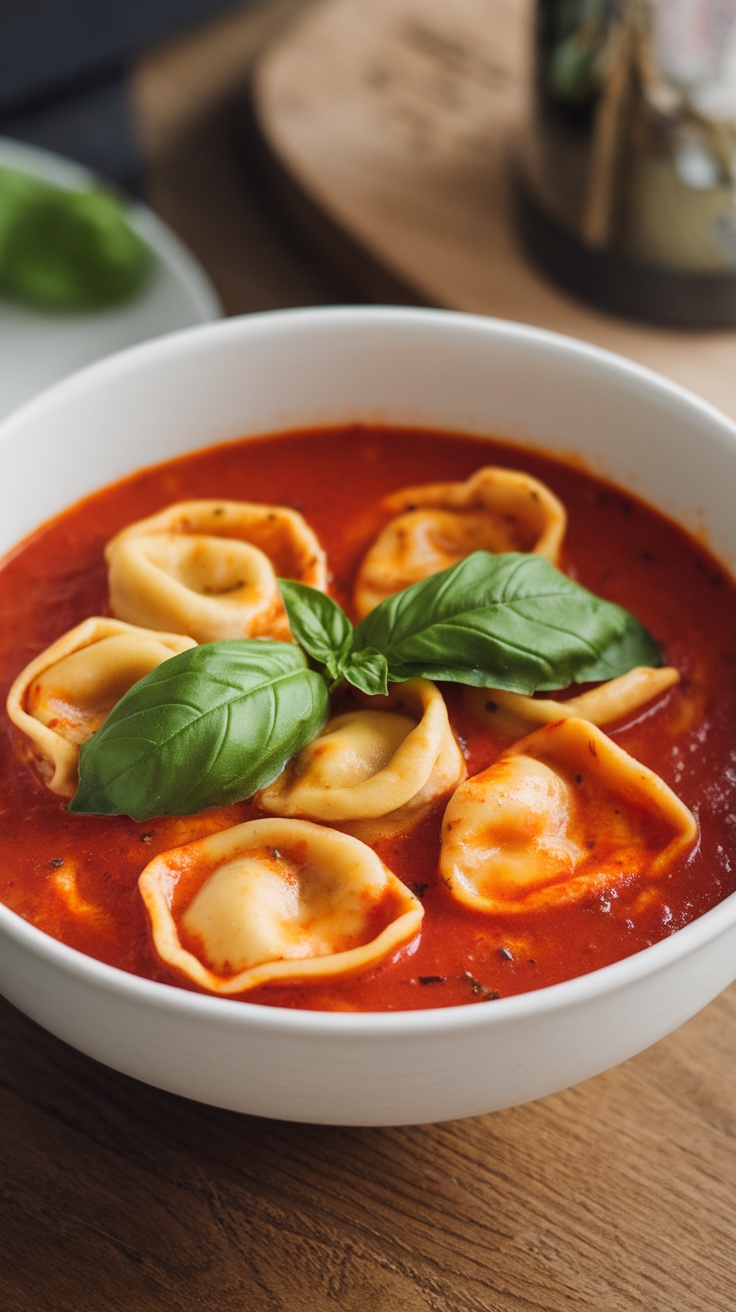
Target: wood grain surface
column 613, row 1196
column 616, row 1196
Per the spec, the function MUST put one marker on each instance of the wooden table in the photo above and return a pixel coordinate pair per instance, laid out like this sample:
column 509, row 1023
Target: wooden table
column 614, row 1196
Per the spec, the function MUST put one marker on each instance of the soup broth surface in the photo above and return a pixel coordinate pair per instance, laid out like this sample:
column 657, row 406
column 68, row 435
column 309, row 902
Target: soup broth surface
column 615, row 546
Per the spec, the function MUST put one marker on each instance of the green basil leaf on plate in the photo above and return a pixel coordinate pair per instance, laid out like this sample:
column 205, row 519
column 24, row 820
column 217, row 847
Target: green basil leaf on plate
column 65, row 249
column 207, row 727
column 508, row 621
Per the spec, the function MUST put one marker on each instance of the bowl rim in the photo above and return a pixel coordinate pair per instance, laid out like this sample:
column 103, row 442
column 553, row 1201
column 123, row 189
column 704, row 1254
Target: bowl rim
column 239, row 1013
column 184, row 340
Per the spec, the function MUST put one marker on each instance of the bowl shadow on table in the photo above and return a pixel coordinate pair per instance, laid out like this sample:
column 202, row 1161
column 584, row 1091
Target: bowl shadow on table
column 140, row 1199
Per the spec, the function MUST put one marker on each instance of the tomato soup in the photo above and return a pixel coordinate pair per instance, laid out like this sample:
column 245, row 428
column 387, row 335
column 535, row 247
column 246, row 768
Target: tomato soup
column 76, row 876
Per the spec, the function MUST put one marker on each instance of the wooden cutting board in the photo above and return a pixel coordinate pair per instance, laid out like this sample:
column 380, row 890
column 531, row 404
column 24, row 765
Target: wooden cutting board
column 388, row 125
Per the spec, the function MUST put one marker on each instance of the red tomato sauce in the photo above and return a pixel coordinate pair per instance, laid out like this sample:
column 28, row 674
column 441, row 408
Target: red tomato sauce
column 76, row 876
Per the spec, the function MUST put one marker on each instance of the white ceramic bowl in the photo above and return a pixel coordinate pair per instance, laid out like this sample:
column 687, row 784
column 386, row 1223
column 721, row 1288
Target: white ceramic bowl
column 267, row 373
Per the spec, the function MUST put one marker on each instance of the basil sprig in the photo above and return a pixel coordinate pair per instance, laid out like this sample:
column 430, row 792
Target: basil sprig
column 216, row 723
column 508, row 621
column 323, row 629
column 319, row 625
column 208, row 727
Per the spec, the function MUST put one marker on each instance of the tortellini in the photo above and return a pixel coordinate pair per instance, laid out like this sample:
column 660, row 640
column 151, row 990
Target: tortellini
column 438, row 524
column 63, row 696
column 275, row 900
column 562, row 815
column 513, row 715
column 210, row 568
column 371, row 764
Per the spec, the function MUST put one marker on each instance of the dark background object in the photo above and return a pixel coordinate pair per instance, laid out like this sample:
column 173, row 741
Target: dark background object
column 64, row 70
column 647, row 292
column 625, row 183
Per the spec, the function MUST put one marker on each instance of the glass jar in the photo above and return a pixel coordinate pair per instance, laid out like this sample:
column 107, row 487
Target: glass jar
column 626, row 180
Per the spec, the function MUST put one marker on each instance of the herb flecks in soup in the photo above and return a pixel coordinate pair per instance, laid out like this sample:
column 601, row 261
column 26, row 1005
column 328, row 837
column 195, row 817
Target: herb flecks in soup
column 431, row 831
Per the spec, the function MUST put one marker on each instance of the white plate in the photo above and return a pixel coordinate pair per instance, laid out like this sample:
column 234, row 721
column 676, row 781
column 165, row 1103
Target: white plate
column 38, row 347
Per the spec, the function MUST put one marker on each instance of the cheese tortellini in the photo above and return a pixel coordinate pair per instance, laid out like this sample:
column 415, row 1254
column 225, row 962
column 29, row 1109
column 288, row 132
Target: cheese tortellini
column 209, row 569
column 562, row 815
column 275, row 900
column 513, row 715
column 63, row 696
column 374, row 765
column 438, row 524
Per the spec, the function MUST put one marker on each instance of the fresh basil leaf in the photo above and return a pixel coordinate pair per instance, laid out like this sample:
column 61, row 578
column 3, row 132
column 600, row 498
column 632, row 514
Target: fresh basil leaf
column 508, row 621
column 368, row 671
column 17, row 190
column 208, row 727
column 66, row 249
column 318, row 624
